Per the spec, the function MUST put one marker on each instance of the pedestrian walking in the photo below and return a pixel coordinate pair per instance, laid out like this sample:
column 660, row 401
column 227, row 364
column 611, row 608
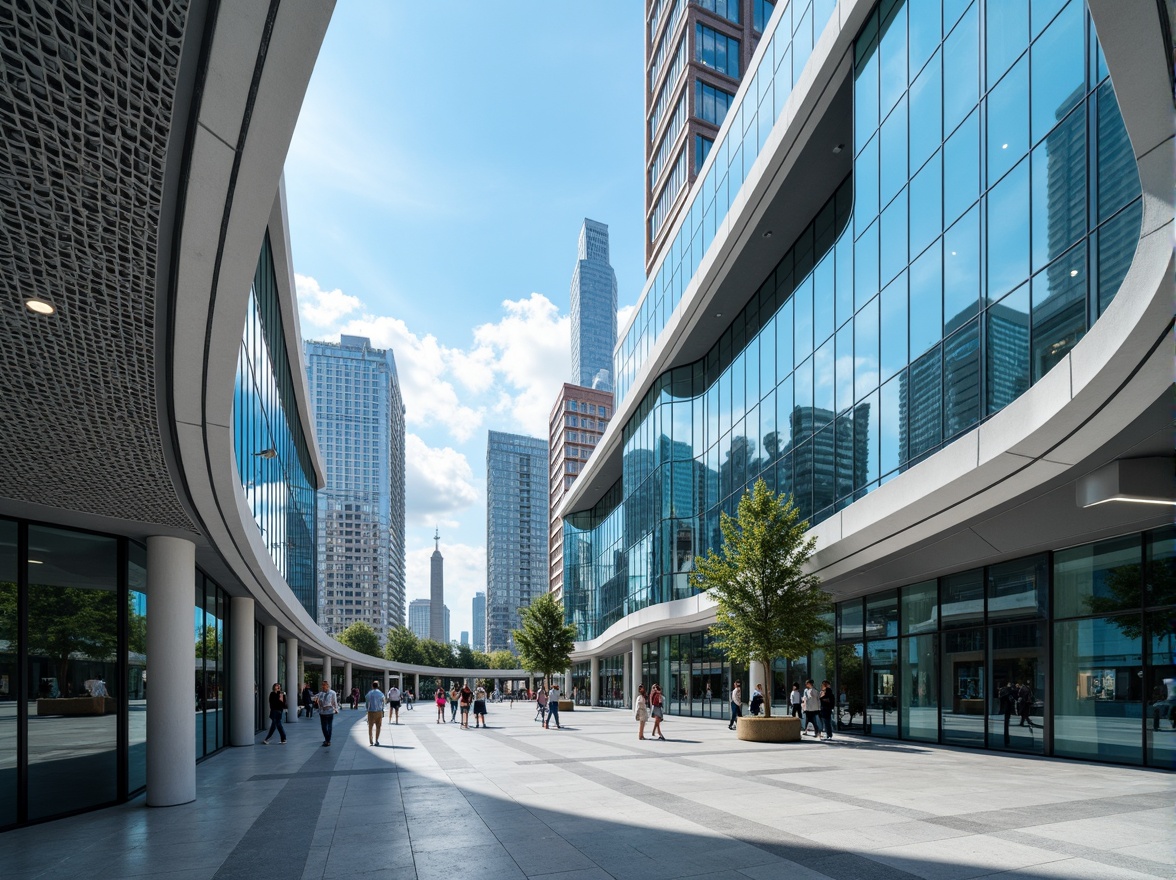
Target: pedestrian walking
column 656, row 710
column 736, row 705
column 410, row 698
column 465, row 698
column 541, row 705
column 796, row 699
column 439, row 699
column 812, row 708
column 480, row 707
column 355, row 697
column 328, row 706
column 307, row 700
column 552, row 708
column 826, row 701
column 641, row 711
column 454, row 693
column 1025, row 704
column 394, row 704
column 277, row 707
column 375, row 712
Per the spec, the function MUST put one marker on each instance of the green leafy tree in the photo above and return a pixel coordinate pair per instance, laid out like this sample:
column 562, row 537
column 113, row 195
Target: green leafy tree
column 503, row 660
column 468, row 658
column 64, row 622
column 436, row 654
column 768, row 606
column 545, row 641
column 403, row 646
column 481, row 660
column 361, row 637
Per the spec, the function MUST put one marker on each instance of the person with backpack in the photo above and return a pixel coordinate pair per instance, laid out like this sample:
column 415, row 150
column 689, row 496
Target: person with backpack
column 553, row 696
column 812, row 706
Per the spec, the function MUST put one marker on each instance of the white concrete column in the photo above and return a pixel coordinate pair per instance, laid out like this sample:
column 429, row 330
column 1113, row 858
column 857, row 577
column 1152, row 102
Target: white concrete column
column 416, row 685
column 269, row 658
column 755, row 674
column 567, row 688
column 242, row 687
column 594, row 681
column 293, row 680
column 626, row 679
column 346, row 680
column 171, row 748
column 636, row 649
column 327, row 670
column 301, row 671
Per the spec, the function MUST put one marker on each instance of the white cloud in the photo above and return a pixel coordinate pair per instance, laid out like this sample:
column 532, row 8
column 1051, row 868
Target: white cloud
column 322, row 309
column 439, row 483
column 513, row 368
column 624, row 313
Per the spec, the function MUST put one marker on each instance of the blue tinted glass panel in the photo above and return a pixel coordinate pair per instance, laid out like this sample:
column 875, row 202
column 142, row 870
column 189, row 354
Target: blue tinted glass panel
column 893, row 63
column 926, row 205
column 1116, row 249
column 865, row 97
column 824, row 379
column 865, row 338
column 926, row 281
column 844, row 367
column 844, row 279
column 1059, row 189
column 893, row 159
column 961, row 271
column 893, row 346
column 961, row 169
column 923, row 31
column 1008, row 232
column 1059, row 310
column 895, row 231
column 892, row 427
column 1006, row 349
column 1007, row 35
column 926, row 113
column 961, row 70
column 921, row 400
column 1008, row 121
column 1118, row 177
column 802, row 304
column 823, row 298
column 865, row 259
column 961, row 379
column 865, row 183
column 1058, row 66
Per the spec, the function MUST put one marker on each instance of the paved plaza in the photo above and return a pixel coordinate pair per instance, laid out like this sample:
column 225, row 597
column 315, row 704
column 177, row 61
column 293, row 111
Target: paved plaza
column 592, row 802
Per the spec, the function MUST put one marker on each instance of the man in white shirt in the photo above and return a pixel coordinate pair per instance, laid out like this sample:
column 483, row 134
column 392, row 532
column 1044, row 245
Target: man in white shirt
column 328, row 706
column 394, row 704
column 375, row 712
column 736, row 705
column 812, row 707
column 552, row 708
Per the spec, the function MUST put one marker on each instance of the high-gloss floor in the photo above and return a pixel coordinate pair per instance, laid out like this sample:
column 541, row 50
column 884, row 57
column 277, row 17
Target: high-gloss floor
column 591, row 802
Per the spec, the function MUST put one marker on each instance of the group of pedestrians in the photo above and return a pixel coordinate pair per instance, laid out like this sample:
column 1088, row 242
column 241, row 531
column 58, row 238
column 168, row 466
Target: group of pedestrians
column 461, row 700
column 547, row 706
column 814, row 706
column 651, row 707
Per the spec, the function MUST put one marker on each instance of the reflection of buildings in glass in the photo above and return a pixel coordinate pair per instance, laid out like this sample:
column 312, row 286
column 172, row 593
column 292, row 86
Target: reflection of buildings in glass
column 833, row 458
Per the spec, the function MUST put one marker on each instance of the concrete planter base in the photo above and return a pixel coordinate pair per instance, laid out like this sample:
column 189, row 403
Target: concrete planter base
column 777, row 729
column 567, row 706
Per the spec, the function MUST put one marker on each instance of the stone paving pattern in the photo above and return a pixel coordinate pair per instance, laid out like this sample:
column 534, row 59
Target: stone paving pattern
column 592, row 802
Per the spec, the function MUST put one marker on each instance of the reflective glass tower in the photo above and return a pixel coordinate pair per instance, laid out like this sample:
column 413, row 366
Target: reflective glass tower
column 479, row 612
column 516, row 532
column 359, row 422
column 594, row 310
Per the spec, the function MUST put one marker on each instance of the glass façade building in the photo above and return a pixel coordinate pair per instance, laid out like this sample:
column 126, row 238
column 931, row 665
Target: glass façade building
column 960, row 208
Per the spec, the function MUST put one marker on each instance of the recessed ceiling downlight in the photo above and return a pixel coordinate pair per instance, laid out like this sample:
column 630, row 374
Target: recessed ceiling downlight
column 39, row 306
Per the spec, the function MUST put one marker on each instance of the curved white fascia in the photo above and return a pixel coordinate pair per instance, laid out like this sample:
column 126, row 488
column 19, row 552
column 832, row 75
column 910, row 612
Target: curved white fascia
column 665, row 618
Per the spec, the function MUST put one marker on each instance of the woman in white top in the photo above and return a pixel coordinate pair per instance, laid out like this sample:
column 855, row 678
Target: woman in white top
column 642, row 711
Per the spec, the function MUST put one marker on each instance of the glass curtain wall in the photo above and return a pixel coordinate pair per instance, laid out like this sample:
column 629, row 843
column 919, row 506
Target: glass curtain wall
column 210, row 611
column 920, row 300
column 272, row 456
column 612, row 681
column 136, row 680
column 582, row 682
column 11, row 713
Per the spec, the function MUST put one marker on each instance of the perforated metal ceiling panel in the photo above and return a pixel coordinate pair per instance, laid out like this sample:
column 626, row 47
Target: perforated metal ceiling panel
column 86, row 96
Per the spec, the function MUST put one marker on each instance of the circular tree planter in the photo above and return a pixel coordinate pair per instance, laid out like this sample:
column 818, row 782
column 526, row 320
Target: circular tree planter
column 777, row 729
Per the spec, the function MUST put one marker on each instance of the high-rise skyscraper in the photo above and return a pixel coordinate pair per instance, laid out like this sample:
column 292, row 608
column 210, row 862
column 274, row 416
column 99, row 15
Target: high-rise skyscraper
column 516, row 532
column 359, row 422
column 419, row 620
column 575, row 426
column 438, row 630
column 465, row 638
column 695, row 57
column 594, row 310
column 479, row 614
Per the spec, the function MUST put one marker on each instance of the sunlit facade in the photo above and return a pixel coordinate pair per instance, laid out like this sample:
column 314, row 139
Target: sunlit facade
column 982, row 208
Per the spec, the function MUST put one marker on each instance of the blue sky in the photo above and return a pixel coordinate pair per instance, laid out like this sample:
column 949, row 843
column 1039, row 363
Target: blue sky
column 443, row 162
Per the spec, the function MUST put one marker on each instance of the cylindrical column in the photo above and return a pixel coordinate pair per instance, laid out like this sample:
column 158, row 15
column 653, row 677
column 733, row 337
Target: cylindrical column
column 626, row 679
column 346, row 680
column 594, row 681
column 269, row 658
column 242, row 687
column 637, row 670
column 416, row 685
column 327, row 671
column 171, row 748
column 755, row 675
column 293, row 680
column 567, row 688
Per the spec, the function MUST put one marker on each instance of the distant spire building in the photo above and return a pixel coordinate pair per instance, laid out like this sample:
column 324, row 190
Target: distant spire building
column 594, row 310
column 437, row 628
